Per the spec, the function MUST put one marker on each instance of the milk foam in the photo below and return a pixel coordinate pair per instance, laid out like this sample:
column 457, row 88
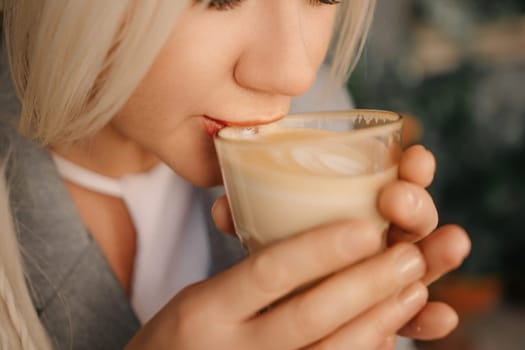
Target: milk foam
column 282, row 182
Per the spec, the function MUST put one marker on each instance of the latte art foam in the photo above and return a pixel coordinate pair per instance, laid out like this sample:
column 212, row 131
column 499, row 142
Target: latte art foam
column 311, row 152
column 323, row 161
column 285, row 181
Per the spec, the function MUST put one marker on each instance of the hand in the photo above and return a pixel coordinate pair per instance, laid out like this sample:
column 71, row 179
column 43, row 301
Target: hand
column 367, row 297
column 414, row 217
column 340, row 312
column 410, row 209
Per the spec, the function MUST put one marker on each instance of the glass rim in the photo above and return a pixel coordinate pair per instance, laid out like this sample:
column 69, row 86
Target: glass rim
column 393, row 123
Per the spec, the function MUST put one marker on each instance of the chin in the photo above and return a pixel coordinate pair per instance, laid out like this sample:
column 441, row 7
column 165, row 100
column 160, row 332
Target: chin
column 195, row 158
column 206, row 180
column 201, row 172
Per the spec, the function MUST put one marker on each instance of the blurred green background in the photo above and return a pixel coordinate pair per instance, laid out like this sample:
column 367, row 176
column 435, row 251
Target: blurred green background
column 458, row 66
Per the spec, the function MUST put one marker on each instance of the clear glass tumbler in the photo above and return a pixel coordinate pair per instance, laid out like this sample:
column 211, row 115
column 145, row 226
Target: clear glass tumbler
column 307, row 170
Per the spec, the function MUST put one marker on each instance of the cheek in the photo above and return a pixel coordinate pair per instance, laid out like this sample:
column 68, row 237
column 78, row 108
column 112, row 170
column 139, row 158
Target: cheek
column 318, row 30
column 184, row 77
column 186, row 148
column 158, row 100
column 161, row 117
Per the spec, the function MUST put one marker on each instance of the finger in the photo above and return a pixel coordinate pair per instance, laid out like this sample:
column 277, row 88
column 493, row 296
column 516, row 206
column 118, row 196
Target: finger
column 388, row 344
column 396, row 235
column 323, row 309
column 435, row 321
column 278, row 269
column 444, row 250
column 408, row 207
column 221, row 214
column 369, row 330
column 418, row 166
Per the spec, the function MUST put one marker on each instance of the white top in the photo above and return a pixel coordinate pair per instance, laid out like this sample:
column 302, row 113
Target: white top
column 172, row 244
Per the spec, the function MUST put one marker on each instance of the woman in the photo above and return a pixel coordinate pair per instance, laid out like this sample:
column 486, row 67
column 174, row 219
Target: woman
column 116, row 92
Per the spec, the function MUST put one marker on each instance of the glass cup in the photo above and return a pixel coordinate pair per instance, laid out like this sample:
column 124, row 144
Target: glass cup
column 307, row 170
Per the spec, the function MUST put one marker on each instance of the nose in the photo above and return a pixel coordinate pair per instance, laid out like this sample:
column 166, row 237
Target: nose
column 278, row 57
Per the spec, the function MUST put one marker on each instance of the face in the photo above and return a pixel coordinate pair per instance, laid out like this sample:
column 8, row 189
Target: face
column 239, row 65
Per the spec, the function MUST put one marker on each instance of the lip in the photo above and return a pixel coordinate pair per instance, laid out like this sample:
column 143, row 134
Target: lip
column 212, row 126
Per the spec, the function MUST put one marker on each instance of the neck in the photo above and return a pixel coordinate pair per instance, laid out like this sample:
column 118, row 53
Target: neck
column 109, row 153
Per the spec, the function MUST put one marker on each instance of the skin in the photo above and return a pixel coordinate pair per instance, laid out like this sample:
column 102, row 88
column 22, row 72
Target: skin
column 241, row 76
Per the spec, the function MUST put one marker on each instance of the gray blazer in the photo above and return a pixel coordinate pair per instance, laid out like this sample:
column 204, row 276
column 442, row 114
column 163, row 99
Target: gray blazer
column 74, row 291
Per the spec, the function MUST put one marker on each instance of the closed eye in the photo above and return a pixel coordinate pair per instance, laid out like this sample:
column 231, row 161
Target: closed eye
column 223, row 5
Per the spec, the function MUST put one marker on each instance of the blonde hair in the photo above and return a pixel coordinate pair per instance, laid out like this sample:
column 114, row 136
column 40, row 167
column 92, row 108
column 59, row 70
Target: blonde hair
column 74, row 64
column 352, row 26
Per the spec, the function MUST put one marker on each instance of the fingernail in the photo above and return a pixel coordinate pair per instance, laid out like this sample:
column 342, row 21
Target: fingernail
column 412, row 296
column 410, row 264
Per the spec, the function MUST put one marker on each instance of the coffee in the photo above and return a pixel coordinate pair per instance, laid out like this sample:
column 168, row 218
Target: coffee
column 284, row 181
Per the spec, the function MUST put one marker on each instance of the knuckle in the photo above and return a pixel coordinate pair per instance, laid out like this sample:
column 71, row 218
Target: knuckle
column 185, row 304
column 269, row 273
column 373, row 240
column 355, row 234
column 307, row 319
column 184, row 322
column 190, row 316
column 380, row 328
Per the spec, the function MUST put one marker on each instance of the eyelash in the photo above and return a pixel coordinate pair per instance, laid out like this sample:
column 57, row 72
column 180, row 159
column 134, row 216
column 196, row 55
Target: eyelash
column 224, row 5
